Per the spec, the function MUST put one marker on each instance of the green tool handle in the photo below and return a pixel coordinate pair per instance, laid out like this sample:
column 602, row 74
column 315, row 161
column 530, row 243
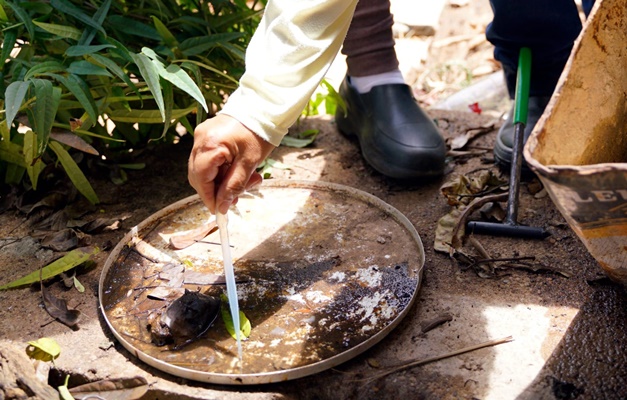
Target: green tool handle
column 522, row 86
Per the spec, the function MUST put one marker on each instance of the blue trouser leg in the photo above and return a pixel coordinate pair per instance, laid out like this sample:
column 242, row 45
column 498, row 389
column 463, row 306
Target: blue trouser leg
column 548, row 27
column 587, row 6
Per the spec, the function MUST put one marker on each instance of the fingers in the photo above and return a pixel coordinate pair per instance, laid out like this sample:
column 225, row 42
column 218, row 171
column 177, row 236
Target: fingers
column 201, row 175
column 207, row 157
column 223, row 161
column 232, row 185
column 255, row 180
column 239, row 177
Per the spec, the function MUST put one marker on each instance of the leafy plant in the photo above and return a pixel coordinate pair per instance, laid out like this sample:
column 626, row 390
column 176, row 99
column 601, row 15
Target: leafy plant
column 265, row 168
column 104, row 77
column 326, row 99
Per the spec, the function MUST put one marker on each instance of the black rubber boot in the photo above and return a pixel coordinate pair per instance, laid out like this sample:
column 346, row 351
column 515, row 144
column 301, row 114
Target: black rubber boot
column 503, row 148
column 397, row 138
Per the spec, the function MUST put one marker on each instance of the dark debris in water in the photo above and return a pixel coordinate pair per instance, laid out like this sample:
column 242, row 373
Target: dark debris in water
column 184, row 320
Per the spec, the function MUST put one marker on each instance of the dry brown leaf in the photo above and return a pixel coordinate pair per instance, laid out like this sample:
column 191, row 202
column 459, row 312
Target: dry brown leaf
column 444, row 231
column 493, row 212
column 459, row 142
column 181, row 240
column 63, row 240
column 101, row 224
column 57, row 308
column 54, row 200
column 74, row 141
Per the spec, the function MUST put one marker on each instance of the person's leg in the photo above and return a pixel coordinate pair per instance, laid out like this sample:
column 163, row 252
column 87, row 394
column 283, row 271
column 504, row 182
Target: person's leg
column 369, row 43
column 549, row 29
column 396, row 137
column 587, row 6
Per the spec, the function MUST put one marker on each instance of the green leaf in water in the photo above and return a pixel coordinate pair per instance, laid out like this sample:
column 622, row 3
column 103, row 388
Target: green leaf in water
column 244, row 323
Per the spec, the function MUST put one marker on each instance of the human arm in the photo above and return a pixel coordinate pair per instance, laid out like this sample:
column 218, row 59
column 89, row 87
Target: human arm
column 287, row 58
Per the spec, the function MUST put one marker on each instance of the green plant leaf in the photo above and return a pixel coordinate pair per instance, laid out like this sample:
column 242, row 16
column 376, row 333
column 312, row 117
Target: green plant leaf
column 201, row 44
column 136, row 166
column 77, row 51
column 12, row 153
column 333, row 99
column 265, row 168
column 23, row 16
column 64, row 392
column 79, row 286
column 72, row 259
column 236, row 51
column 244, row 322
column 13, row 98
column 210, row 68
column 68, row 8
column 44, row 349
column 81, row 91
column 44, row 110
column 168, row 99
column 3, row 14
column 45, row 67
column 74, row 173
column 149, row 72
column 82, row 67
column 8, row 42
column 146, row 116
column 178, row 77
column 164, row 32
column 36, row 7
column 133, row 27
column 34, row 165
column 99, row 17
column 306, row 138
column 120, row 50
column 116, row 69
column 14, row 174
column 64, row 31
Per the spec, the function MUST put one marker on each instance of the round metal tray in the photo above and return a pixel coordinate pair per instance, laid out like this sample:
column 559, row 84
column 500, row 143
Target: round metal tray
column 324, row 272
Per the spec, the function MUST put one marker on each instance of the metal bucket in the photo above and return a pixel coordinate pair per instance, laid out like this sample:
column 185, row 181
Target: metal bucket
column 579, row 146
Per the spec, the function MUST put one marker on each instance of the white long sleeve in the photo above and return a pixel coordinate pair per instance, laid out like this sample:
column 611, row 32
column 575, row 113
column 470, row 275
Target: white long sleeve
column 287, row 57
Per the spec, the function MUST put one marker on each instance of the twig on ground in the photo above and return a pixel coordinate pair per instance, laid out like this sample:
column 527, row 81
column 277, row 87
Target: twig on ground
column 506, row 259
column 433, row 323
column 483, row 253
column 416, row 363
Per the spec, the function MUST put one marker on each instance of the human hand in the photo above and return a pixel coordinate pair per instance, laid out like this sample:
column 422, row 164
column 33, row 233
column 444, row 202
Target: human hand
column 223, row 160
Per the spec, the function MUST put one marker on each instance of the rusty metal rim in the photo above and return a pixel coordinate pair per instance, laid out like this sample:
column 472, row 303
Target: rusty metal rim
column 276, row 376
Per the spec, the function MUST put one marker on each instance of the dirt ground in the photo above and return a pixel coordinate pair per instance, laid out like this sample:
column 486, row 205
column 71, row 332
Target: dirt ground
column 569, row 323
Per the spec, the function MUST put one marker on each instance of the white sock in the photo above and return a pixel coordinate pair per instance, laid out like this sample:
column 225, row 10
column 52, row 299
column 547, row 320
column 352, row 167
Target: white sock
column 363, row 84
